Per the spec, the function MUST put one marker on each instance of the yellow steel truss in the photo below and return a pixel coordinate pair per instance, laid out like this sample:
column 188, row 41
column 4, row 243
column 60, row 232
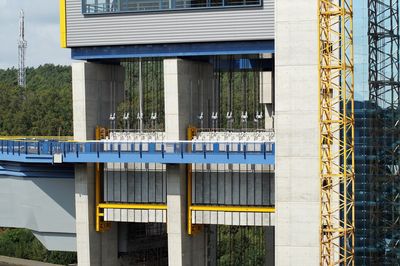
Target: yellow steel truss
column 336, row 85
column 101, row 225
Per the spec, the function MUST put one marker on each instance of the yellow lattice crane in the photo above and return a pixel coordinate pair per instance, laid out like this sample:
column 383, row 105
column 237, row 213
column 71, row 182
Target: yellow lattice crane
column 336, row 85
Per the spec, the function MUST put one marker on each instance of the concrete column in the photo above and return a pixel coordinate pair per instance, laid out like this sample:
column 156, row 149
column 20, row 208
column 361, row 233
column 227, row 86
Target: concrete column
column 267, row 87
column 184, row 81
column 93, row 248
column 91, row 107
column 92, row 96
column 297, row 156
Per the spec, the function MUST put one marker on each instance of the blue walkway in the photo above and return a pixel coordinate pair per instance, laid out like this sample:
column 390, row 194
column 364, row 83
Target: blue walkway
column 181, row 152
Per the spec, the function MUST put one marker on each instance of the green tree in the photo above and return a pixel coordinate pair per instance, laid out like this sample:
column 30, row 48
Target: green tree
column 43, row 108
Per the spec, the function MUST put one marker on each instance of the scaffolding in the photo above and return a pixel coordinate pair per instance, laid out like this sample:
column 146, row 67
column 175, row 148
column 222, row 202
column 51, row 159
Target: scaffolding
column 384, row 84
column 336, row 85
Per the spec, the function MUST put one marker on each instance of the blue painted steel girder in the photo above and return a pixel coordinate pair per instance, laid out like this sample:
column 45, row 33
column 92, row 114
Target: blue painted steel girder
column 173, row 50
column 180, row 152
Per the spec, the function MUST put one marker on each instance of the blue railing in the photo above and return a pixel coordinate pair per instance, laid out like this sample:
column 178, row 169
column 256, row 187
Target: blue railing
column 178, row 152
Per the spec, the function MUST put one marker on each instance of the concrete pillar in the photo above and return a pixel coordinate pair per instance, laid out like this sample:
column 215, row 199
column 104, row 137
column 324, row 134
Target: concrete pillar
column 91, row 107
column 297, row 156
column 92, row 96
column 93, row 248
column 267, row 87
column 184, row 82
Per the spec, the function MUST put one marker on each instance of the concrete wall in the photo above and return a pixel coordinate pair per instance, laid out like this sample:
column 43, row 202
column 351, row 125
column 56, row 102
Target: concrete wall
column 204, row 25
column 44, row 205
column 297, row 133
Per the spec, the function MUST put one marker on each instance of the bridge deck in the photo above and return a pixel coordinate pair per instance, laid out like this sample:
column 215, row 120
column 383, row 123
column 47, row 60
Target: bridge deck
column 171, row 152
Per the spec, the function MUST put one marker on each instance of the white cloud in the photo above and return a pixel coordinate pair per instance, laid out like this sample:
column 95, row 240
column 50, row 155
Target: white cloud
column 41, row 32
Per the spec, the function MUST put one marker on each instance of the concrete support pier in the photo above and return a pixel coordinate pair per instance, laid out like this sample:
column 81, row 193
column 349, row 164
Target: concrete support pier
column 93, row 85
column 184, row 80
column 297, row 156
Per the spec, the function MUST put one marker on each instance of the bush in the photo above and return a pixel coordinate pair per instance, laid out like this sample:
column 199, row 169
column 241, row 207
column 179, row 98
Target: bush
column 21, row 243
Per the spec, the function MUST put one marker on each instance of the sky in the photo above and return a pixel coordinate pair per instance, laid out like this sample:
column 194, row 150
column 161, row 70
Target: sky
column 361, row 50
column 41, row 33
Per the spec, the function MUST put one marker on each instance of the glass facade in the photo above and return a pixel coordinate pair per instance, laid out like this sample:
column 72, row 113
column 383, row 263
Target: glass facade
column 121, row 6
column 377, row 131
column 362, row 139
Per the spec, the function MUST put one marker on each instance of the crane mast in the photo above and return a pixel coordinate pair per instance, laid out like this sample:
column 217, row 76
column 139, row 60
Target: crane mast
column 337, row 162
column 22, row 45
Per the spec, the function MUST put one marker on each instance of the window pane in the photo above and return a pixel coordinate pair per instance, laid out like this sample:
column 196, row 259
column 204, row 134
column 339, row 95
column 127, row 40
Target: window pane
column 115, row 6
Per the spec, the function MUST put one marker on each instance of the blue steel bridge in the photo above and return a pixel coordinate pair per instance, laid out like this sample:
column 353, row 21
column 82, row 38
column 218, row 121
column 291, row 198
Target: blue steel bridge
column 168, row 152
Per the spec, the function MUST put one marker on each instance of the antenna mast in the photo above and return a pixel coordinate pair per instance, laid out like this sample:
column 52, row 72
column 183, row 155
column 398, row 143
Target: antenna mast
column 22, row 44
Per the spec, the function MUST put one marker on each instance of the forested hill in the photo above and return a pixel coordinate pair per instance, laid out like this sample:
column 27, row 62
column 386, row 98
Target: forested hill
column 43, row 108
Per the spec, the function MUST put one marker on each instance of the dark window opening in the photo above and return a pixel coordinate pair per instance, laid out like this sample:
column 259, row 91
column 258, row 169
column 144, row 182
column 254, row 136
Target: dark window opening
column 120, row 6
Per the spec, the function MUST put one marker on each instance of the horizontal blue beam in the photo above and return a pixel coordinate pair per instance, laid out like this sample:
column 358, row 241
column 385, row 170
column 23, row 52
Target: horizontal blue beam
column 172, row 50
column 180, row 158
column 180, row 152
column 22, row 158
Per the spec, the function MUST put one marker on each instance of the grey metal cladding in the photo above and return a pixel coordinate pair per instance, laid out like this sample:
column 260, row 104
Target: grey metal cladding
column 44, row 205
column 225, row 24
